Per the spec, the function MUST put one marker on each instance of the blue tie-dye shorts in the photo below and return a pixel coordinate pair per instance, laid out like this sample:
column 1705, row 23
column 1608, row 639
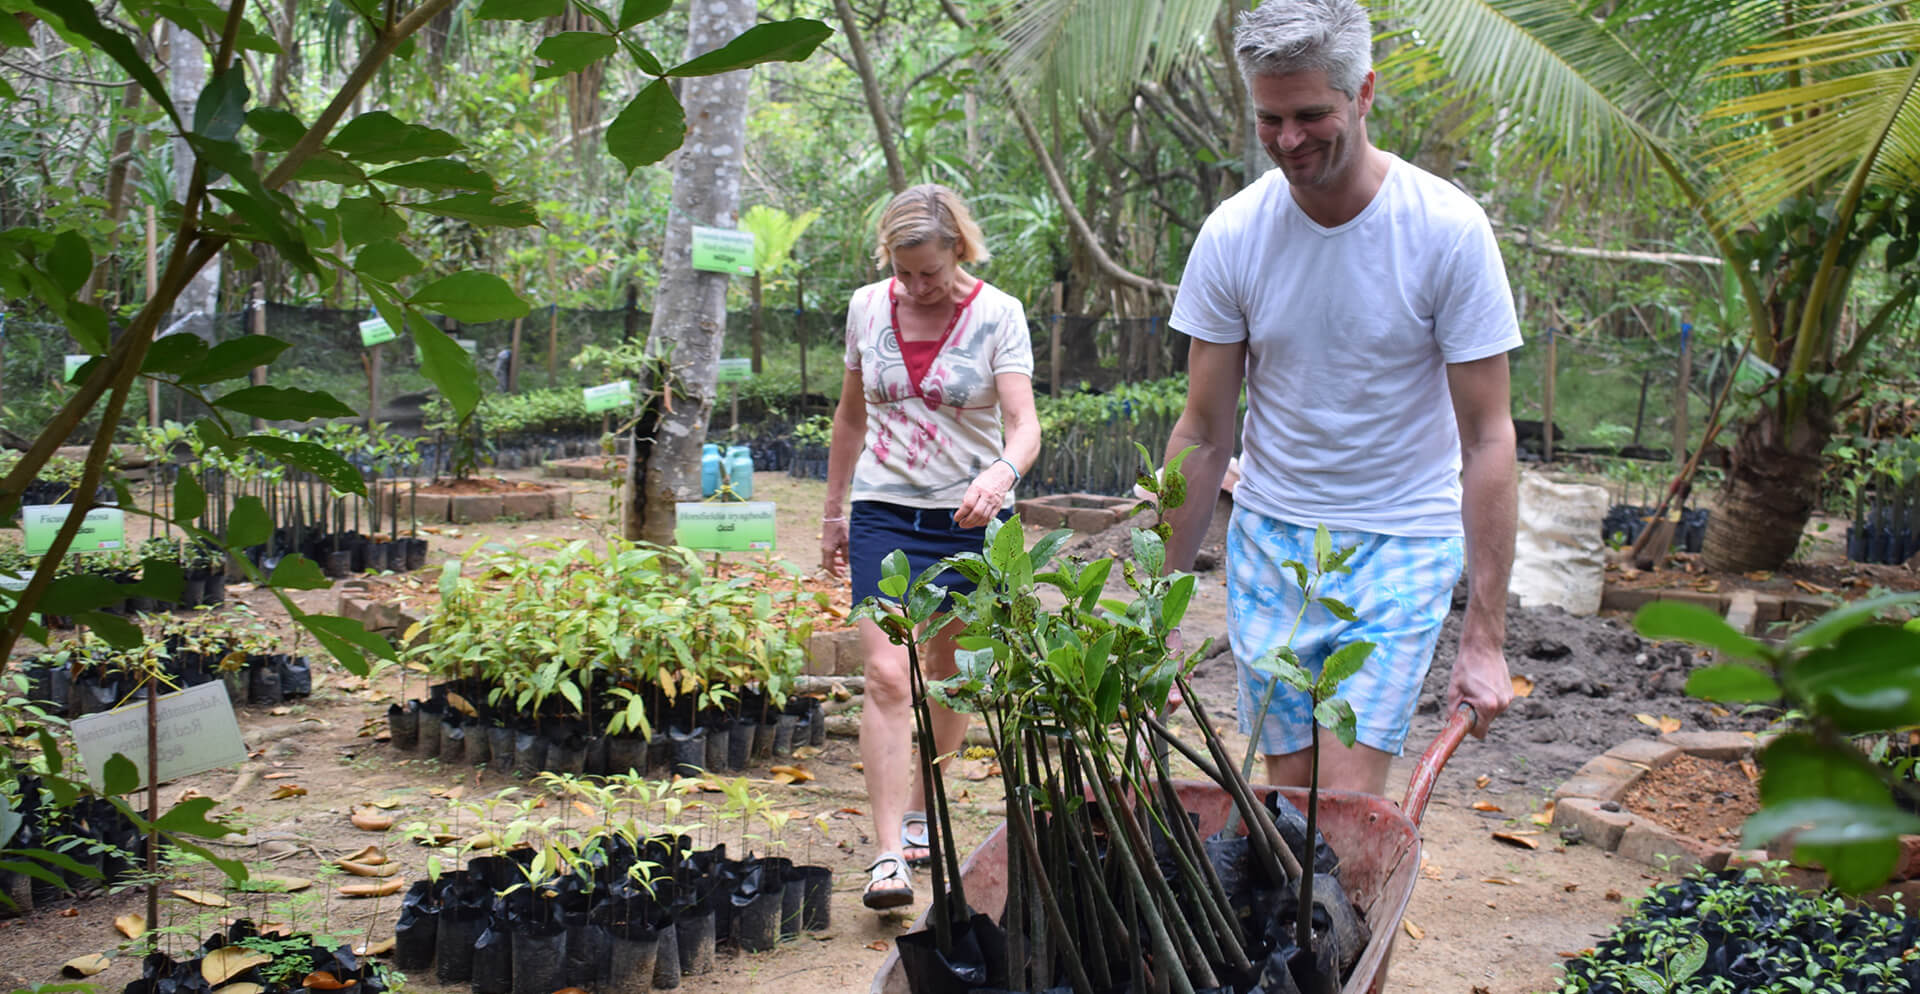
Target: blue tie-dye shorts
column 1400, row 588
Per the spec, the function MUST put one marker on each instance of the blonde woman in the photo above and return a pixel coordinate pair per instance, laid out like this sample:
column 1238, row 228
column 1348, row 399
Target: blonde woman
column 935, row 428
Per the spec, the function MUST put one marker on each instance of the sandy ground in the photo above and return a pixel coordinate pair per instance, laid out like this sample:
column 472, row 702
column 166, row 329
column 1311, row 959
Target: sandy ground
column 1485, row 917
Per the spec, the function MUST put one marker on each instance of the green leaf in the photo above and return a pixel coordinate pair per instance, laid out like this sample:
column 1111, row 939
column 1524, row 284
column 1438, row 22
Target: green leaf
column 314, row 458
column 634, row 12
column 284, row 404
column 117, row 631
column 79, row 592
column 1868, row 680
column 480, row 209
column 270, row 217
column 386, row 260
column 1664, row 620
column 894, row 571
column 1797, row 766
column 1688, row 961
column 235, row 358
column 1644, row 981
column 1732, row 682
column 1106, row 698
column 1337, row 608
column 1337, row 714
column 520, row 10
column 221, row 108
column 346, row 640
column 69, row 261
column 175, row 353
column 1174, row 606
column 189, row 817
column 1149, row 553
column 279, row 129
column 160, row 579
column 248, row 523
column 776, row 41
column 366, row 219
column 1343, row 663
column 378, row 137
column 648, row 128
column 437, row 175
column 119, row 775
column 12, row 35
column 572, row 51
column 1828, row 628
column 471, row 297
column 327, row 166
column 1322, row 549
column 447, row 365
column 1284, row 666
column 189, row 501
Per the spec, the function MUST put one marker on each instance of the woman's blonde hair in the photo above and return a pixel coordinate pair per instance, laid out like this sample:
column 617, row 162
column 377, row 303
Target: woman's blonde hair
column 929, row 213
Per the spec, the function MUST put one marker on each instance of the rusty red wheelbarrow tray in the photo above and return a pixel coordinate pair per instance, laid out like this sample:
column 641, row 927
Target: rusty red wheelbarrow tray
column 1378, row 842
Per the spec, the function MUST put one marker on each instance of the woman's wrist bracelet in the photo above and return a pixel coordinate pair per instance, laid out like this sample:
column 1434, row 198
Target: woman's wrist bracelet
column 828, row 521
column 1011, row 466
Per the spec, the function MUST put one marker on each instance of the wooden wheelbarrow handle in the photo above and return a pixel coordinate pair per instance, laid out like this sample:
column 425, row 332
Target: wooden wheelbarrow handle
column 1427, row 771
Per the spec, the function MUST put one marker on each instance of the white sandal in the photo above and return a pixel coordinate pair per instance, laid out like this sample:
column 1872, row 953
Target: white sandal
column 890, row 883
column 914, row 835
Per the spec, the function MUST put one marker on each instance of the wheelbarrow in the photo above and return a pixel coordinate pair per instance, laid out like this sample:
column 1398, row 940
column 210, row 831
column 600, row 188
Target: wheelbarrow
column 1378, row 843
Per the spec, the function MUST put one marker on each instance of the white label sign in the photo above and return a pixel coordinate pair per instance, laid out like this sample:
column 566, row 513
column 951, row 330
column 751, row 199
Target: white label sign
column 197, row 732
column 104, row 530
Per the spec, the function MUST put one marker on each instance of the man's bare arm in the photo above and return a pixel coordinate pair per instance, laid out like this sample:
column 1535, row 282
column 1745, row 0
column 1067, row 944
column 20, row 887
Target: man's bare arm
column 1214, row 376
column 1482, row 407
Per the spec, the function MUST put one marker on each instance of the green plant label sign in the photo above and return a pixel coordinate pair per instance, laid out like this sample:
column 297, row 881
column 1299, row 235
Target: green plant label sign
column 723, row 250
column 373, row 331
column 105, row 528
column 72, row 367
column 744, row 527
column 196, row 733
column 735, row 370
column 609, row 397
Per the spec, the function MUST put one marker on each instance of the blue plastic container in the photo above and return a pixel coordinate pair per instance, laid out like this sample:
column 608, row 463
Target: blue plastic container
column 740, row 470
column 710, row 466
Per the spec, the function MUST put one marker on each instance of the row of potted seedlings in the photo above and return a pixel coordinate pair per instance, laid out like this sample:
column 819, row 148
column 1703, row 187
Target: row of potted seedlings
column 85, row 676
column 449, row 725
column 86, row 844
column 242, row 958
column 626, row 917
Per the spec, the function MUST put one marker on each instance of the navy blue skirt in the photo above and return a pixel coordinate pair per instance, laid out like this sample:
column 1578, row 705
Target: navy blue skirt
column 926, row 534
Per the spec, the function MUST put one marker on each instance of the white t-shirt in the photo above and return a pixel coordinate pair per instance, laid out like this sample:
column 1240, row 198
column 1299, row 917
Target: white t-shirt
column 1349, row 330
column 927, row 441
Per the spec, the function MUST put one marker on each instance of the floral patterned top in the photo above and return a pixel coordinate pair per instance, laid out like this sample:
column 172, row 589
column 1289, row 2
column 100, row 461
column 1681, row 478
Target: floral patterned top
column 929, row 436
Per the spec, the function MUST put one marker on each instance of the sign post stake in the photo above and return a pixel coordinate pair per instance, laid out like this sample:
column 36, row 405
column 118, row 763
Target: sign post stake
column 1546, row 406
column 153, row 807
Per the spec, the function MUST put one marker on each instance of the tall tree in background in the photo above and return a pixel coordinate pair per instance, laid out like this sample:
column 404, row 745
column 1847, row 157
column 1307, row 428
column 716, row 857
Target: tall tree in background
column 186, row 77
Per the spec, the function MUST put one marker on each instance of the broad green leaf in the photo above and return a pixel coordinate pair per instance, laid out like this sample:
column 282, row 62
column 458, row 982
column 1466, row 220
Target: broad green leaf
column 279, row 129
column 1004, row 545
column 776, row 41
column 1695, row 624
column 1338, row 608
column 1732, row 682
column 1179, row 594
column 1149, row 553
column 1827, row 629
column 314, row 458
column 328, row 166
column 26, row 867
column 894, row 571
column 648, row 128
column 1322, row 548
column 189, row 817
column 248, row 523
column 69, row 261
column 572, row 51
column 634, row 12
column 447, row 365
column 10, row 819
column 284, row 404
column 1093, row 580
column 520, row 10
column 386, row 260
column 79, row 592
column 349, row 631
column 12, row 35
column 365, row 219
column 437, row 175
column 480, row 209
column 118, row 632
column 1868, row 680
column 271, row 221
column 160, row 579
column 1688, row 961
column 1337, row 715
column 378, row 137
column 1828, row 822
column 235, row 358
column 189, row 501
column 1644, row 981
column 1796, row 766
column 471, row 297
column 174, row 353
column 1106, row 698
column 221, row 108
column 1283, row 665
column 119, row 775
column 79, row 18
column 1341, row 664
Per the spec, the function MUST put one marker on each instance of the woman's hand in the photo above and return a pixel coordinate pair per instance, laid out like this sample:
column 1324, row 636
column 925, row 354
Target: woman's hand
column 833, row 545
column 985, row 495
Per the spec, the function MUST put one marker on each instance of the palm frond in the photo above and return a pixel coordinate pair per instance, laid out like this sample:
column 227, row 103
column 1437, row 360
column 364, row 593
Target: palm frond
column 1097, row 50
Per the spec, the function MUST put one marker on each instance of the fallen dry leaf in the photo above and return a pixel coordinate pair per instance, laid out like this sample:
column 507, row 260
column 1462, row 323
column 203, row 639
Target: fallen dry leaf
column 370, row 822
column 202, row 898
column 386, row 803
column 1484, row 806
column 244, row 987
column 228, row 962
column 855, row 812
column 287, row 884
column 133, row 925
column 287, row 790
column 798, row 774
column 392, row 885
column 324, row 980
column 1812, row 588
column 583, row 808
column 458, row 703
column 1717, row 711
column 85, row 966
column 368, row 870
column 1413, row 931
column 1669, row 724
column 878, row 945
column 370, row 855
column 1570, row 886
column 1482, row 781
column 1520, row 839
column 279, row 712
column 1431, row 872
column 1498, row 881
column 1752, row 771
column 807, row 752
column 280, row 776
column 70, row 913
column 1544, row 816
column 382, row 948
column 482, row 841
column 1662, row 724
column 1611, row 895
column 1522, row 686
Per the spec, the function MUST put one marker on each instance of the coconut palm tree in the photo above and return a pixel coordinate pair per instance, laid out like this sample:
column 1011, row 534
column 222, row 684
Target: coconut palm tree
column 1791, row 127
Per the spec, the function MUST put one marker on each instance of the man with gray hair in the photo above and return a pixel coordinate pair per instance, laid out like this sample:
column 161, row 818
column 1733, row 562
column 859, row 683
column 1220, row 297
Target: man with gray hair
column 1362, row 303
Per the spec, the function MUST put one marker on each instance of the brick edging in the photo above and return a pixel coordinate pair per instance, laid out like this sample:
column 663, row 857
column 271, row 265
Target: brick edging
column 1588, row 804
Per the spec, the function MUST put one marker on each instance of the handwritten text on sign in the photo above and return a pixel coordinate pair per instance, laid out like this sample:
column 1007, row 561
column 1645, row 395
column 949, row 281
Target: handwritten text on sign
column 197, row 732
column 742, row 527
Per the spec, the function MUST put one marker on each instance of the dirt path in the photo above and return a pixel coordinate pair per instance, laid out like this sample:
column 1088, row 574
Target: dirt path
column 1488, row 916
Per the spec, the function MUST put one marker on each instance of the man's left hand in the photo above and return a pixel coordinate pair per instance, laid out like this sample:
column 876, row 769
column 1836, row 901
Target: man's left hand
column 1480, row 678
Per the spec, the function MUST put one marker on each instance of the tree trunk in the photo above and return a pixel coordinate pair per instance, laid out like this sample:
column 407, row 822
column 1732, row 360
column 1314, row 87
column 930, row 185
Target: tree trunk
column 187, row 69
column 870, row 86
column 1770, row 488
column 690, row 308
